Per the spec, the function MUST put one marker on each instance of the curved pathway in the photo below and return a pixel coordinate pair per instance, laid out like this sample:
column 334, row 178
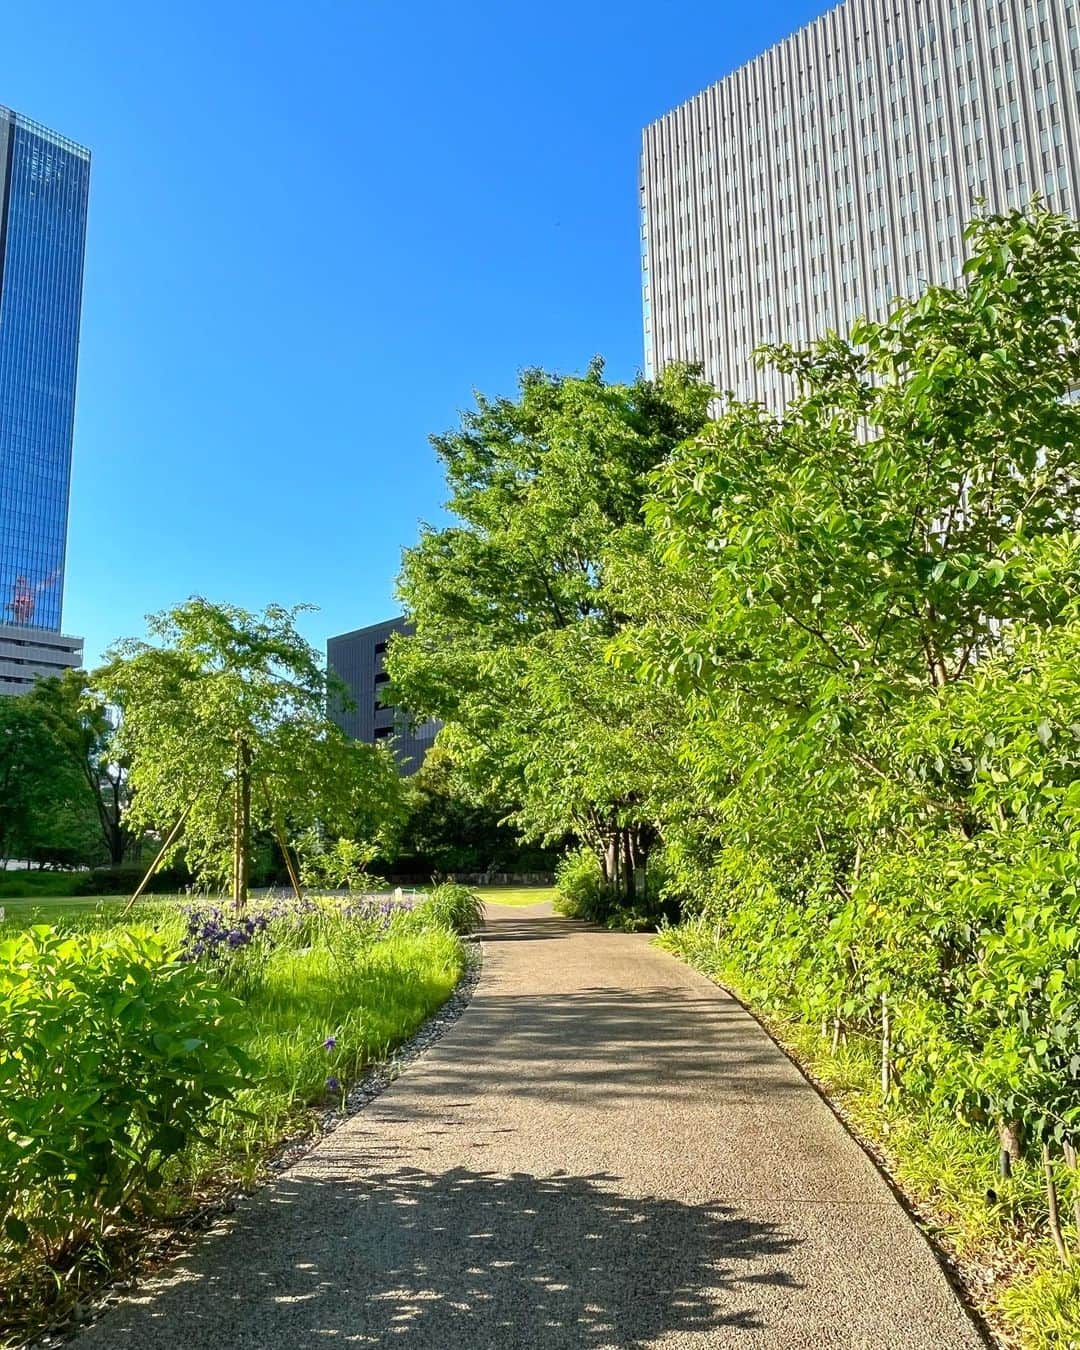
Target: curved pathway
column 606, row 1151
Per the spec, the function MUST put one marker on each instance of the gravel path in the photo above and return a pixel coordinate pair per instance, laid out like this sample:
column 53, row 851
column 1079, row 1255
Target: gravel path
column 605, row 1151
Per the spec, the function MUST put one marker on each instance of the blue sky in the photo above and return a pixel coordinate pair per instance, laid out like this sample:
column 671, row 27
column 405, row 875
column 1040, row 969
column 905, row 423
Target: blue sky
column 314, row 230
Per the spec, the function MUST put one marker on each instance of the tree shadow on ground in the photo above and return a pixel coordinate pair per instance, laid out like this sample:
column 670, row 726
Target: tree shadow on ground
column 464, row 1259
column 609, row 1046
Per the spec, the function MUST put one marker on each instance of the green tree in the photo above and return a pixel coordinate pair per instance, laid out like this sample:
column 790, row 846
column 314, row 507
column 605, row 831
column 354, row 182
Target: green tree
column 224, row 726
column 443, row 831
column 40, row 792
column 866, row 547
column 86, row 726
column 512, row 612
column 864, row 612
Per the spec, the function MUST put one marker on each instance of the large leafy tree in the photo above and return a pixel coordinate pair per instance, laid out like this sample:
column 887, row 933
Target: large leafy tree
column 512, row 611
column 86, row 727
column 867, row 547
column 224, row 726
column 865, row 612
column 443, row 831
column 42, row 799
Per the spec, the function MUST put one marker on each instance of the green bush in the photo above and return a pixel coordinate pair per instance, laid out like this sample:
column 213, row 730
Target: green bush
column 451, row 906
column 119, row 880
column 37, row 885
column 124, row 878
column 582, row 894
column 113, row 1056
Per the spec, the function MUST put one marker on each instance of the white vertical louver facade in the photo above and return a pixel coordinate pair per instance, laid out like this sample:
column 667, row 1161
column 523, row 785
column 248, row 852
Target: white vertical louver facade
column 838, row 170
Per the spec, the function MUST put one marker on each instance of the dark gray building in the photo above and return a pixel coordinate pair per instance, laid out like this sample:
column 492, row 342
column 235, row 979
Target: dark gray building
column 358, row 660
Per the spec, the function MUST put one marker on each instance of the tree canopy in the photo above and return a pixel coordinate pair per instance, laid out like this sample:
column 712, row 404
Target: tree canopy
column 224, row 725
column 512, row 609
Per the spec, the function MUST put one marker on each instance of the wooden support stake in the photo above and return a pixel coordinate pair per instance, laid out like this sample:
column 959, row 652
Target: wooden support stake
column 1071, row 1159
column 161, row 854
column 288, row 859
column 280, row 833
column 1052, row 1205
column 886, row 1049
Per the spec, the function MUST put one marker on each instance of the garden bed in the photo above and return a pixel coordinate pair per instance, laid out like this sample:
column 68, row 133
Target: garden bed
column 159, row 1114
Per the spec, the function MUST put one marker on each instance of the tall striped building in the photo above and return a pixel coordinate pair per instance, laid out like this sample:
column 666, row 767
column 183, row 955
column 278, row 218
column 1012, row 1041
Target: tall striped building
column 838, row 170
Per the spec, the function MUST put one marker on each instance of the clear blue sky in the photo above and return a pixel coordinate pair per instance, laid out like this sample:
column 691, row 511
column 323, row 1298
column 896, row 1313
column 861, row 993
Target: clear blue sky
column 314, row 230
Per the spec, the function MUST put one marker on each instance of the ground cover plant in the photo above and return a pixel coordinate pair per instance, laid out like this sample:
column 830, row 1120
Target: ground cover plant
column 148, row 1060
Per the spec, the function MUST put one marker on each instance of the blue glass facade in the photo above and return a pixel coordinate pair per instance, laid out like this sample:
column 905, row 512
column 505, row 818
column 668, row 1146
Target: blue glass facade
column 44, row 188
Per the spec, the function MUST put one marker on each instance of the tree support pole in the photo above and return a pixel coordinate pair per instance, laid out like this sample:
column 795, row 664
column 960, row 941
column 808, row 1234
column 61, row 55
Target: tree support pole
column 1052, row 1206
column 161, row 854
column 280, row 833
column 288, row 859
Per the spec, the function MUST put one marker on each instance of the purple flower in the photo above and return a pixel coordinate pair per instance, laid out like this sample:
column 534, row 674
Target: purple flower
column 333, row 1085
column 329, row 1043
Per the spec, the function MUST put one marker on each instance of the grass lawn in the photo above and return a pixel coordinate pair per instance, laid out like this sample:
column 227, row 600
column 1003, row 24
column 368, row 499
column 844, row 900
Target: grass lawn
column 515, row 895
column 21, row 911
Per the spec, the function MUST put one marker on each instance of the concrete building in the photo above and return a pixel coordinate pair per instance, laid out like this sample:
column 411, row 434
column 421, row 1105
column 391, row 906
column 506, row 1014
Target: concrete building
column 44, row 189
column 838, row 170
column 358, row 659
column 28, row 654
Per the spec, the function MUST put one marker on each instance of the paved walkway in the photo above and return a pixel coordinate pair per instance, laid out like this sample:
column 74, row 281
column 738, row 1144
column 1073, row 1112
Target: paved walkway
column 605, row 1151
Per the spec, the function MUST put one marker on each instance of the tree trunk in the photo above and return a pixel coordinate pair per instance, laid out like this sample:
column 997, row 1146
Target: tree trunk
column 241, row 822
column 629, row 880
column 117, row 832
column 1011, row 1142
column 611, row 862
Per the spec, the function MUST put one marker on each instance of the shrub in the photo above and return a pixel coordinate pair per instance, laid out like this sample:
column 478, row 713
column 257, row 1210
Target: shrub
column 582, row 893
column 125, row 877
column 113, row 1056
column 454, row 907
column 36, row 885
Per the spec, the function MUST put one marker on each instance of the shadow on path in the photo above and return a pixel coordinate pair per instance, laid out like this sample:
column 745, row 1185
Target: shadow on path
column 616, row 1046
column 465, row 1258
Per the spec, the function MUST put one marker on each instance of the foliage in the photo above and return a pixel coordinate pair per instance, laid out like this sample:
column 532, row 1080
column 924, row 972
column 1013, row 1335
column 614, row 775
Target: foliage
column 338, row 865
column 821, row 663
column 325, row 988
column 23, row 882
column 579, row 883
column 866, row 612
column 86, row 727
column 582, row 892
column 454, row 907
column 1045, row 1306
column 127, row 876
column 512, row 612
column 112, row 1059
column 225, row 728
column 444, row 830
column 43, row 803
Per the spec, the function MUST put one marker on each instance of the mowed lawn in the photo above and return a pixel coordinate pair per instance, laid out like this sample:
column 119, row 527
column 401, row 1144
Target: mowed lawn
column 515, row 895
column 24, row 910
column 104, row 910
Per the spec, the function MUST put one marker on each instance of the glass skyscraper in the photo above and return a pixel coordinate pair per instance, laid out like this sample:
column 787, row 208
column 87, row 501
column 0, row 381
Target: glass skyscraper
column 44, row 187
